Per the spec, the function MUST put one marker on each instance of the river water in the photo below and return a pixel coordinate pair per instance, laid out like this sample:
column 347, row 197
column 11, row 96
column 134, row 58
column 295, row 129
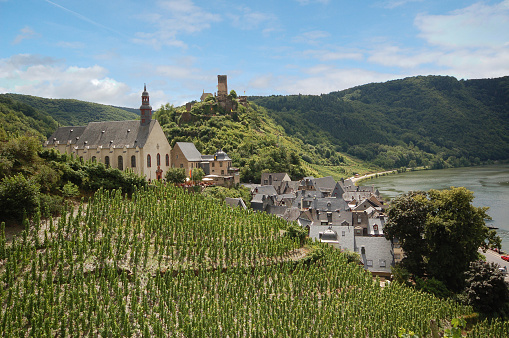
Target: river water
column 490, row 185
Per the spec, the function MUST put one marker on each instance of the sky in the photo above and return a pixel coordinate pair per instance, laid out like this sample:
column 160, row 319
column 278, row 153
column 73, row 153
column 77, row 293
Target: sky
column 105, row 51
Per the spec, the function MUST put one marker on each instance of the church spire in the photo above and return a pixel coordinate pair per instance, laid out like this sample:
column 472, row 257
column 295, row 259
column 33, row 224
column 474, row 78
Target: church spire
column 145, row 108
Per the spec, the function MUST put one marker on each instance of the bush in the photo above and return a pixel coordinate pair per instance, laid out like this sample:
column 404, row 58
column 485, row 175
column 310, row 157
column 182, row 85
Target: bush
column 51, row 205
column 433, row 286
column 485, row 288
column 19, row 197
column 176, row 175
column 70, row 190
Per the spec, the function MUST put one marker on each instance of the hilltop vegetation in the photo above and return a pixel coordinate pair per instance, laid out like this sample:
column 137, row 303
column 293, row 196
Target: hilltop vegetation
column 432, row 121
column 69, row 112
column 247, row 135
column 17, row 117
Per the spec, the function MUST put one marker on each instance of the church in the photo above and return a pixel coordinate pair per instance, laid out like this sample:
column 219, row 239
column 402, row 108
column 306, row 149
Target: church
column 139, row 145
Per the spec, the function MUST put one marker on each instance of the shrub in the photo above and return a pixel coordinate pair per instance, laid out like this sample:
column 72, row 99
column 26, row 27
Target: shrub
column 19, row 197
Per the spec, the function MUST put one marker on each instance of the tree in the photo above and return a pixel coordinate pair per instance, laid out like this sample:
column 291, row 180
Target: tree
column 197, row 174
column 19, row 197
column 176, row 175
column 485, row 288
column 440, row 232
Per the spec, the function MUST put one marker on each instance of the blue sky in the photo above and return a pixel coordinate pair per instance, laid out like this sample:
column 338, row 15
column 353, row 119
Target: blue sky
column 104, row 51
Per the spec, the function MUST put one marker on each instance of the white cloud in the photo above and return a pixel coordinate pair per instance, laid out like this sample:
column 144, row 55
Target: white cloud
column 325, row 79
column 318, row 79
column 311, row 37
column 390, row 4
column 479, row 25
column 45, row 77
column 25, row 33
column 247, row 19
column 393, row 56
column 71, row 45
column 325, row 55
column 307, row 2
column 173, row 18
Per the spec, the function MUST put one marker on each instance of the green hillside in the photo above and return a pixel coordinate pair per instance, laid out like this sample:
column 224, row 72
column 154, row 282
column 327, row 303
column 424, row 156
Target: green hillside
column 434, row 120
column 73, row 112
column 19, row 118
column 166, row 263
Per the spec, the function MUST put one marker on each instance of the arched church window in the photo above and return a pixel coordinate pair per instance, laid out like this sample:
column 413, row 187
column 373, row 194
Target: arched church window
column 133, row 161
column 93, row 159
column 158, row 160
column 107, row 161
column 120, row 162
column 167, row 160
column 149, row 161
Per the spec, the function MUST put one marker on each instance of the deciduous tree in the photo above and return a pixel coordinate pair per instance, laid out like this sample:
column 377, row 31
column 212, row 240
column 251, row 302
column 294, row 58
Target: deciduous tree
column 440, row 232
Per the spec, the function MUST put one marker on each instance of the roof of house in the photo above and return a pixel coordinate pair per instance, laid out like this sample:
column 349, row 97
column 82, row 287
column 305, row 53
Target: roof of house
column 275, row 176
column 105, row 134
column 235, row 202
column 265, row 190
column 189, row 150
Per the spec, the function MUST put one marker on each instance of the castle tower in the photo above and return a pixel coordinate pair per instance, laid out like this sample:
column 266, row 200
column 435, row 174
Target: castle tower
column 145, row 108
column 222, row 86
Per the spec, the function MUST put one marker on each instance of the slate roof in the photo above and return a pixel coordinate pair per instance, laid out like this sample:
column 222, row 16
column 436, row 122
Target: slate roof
column 190, row 152
column 325, row 183
column 265, row 190
column 235, row 202
column 105, row 134
column 64, row 134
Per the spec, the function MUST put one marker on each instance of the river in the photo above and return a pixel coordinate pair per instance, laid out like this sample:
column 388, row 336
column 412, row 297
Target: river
column 490, row 185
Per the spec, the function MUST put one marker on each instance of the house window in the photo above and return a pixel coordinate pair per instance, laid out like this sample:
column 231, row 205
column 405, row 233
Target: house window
column 222, row 172
column 358, row 231
column 120, row 161
column 192, row 165
column 158, row 157
column 133, row 161
column 221, row 164
column 343, row 233
column 265, row 182
column 167, row 160
column 382, row 263
column 149, row 161
column 181, row 165
column 397, row 256
column 375, row 227
column 369, row 262
column 107, row 161
column 324, row 223
column 94, row 159
column 177, row 157
column 213, row 164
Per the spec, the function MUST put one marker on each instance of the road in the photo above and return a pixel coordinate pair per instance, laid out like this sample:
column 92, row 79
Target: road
column 492, row 256
column 355, row 179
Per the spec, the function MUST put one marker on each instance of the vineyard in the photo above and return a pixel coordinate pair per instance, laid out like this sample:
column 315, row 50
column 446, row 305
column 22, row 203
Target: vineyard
column 165, row 262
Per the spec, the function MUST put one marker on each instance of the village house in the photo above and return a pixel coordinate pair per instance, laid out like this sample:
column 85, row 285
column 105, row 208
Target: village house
column 218, row 167
column 137, row 145
column 340, row 214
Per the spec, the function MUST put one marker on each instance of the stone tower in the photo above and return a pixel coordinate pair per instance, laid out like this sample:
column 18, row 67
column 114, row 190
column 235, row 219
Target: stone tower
column 222, row 86
column 145, row 108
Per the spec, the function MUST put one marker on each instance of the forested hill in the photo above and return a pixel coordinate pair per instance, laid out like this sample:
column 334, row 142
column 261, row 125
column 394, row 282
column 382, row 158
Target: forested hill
column 19, row 118
column 425, row 120
column 68, row 112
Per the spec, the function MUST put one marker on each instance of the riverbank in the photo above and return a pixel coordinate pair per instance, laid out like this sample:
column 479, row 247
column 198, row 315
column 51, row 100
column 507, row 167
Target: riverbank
column 359, row 179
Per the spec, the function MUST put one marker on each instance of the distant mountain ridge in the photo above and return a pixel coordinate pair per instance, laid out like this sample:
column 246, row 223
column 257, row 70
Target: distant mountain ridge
column 437, row 121
column 70, row 112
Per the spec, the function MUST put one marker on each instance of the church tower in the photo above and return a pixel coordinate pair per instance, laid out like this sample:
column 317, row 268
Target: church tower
column 145, row 108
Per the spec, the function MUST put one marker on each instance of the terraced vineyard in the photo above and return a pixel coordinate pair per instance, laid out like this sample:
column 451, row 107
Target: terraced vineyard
column 168, row 263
